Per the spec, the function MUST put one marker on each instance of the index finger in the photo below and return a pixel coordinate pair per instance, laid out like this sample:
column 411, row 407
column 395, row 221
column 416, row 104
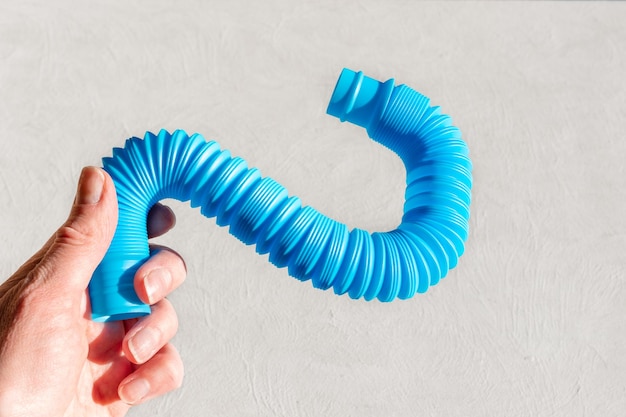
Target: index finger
column 163, row 272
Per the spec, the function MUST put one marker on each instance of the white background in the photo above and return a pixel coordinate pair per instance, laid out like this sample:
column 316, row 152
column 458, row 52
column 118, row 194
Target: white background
column 533, row 320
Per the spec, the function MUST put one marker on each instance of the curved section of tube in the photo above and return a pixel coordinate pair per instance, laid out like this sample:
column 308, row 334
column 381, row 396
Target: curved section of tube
column 258, row 210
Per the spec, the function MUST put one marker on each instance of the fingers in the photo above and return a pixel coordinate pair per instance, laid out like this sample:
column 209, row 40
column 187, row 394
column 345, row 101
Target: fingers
column 161, row 374
column 163, row 272
column 79, row 245
column 151, row 333
column 147, row 342
column 160, row 220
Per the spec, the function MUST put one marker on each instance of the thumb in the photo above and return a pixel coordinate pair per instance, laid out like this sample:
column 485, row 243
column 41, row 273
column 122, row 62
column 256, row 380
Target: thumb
column 80, row 244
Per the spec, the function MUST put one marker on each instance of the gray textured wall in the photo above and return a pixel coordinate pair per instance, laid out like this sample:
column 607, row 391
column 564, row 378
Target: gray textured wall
column 532, row 322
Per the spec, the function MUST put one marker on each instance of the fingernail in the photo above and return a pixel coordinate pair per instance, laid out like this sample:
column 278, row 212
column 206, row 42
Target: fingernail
column 90, row 186
column 157, row 282
column 134, row 391
column 144, row 343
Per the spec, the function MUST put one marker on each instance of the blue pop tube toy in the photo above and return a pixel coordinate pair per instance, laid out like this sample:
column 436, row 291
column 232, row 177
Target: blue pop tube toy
column 383, row 265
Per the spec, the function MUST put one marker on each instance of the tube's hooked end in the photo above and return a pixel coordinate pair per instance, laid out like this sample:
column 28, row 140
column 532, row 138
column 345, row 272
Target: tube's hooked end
column 359, row 99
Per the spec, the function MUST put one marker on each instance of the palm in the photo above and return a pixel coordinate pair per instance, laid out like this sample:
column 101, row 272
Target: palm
column 104, row 367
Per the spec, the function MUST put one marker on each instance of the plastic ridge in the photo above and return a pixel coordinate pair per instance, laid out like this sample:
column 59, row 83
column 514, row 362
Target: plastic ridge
column 258, row 210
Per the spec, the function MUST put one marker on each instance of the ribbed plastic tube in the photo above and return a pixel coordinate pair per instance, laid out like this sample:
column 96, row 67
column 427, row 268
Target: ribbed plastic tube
column 258, row 210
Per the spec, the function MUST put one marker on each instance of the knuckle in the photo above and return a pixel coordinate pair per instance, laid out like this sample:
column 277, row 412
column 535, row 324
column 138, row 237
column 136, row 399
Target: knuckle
column 73, row 235
column 174, row 370
column 176, row 259
column 172, row 261
column 168, row 313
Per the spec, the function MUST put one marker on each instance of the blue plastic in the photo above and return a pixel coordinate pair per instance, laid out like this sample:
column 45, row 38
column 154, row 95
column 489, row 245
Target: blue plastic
column 383, row 265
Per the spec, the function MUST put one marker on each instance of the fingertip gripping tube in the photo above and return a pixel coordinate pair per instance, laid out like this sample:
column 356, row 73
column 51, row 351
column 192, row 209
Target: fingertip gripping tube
column 258, row 210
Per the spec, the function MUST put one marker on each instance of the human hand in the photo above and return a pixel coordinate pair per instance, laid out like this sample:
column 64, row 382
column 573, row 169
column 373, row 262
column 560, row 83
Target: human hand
column 55, row 361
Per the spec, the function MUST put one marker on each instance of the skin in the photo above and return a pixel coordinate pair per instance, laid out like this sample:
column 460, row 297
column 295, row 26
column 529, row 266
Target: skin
column 55, row 361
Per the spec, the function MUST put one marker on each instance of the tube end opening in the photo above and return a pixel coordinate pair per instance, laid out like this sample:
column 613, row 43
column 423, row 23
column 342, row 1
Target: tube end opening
column 100, row 318
column 359, row 99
